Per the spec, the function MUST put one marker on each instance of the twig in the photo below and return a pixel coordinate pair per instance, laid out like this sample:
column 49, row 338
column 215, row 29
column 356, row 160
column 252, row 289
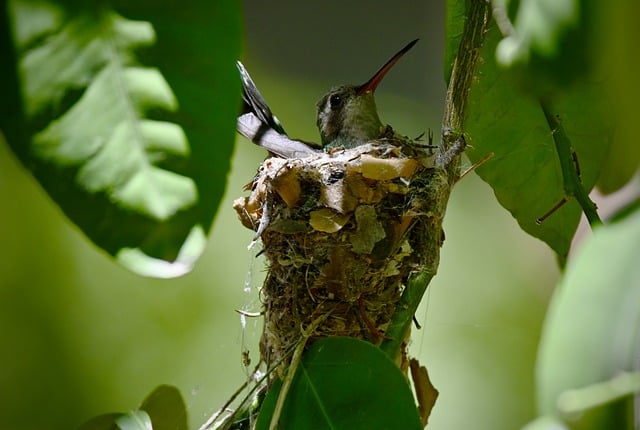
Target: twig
column 293, row 366
column 228, row 420
column 477, row 164
column 571, row 183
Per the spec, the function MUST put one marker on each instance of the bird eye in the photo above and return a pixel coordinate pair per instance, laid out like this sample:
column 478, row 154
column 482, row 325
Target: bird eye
column 335, row 101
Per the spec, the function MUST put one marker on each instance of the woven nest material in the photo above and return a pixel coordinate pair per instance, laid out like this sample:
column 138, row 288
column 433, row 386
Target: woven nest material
column 342, row 233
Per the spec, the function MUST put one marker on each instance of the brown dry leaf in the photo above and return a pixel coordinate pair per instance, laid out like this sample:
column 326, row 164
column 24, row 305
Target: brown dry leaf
column 387, row 168
column 328, row 221
column 426, row 393
column 337, row 197
column 344, row 195
column 363, row 190
column 247, row 212
column 287, row 186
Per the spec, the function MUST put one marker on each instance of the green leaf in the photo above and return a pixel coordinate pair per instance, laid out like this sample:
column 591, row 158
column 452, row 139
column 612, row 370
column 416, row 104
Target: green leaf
column 591, row 331
column 344, row 383
column 537, row 29
column 546, row 423
column 455, row 16
column 135, row 155
column 547, row 42
column 166, row 408
column 618, row 38
column 525, row 172
column 138, row 420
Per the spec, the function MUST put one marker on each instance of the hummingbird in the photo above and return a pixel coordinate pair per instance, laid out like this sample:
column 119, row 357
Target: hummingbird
column 347, row 116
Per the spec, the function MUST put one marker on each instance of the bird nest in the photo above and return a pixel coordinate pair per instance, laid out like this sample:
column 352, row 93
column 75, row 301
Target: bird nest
column 342, row 232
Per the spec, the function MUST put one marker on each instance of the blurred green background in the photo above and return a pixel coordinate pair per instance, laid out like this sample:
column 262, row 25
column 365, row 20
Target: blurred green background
column 81, row 336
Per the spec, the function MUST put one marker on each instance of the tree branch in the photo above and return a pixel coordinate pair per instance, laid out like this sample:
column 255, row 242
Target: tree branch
column 447, row 163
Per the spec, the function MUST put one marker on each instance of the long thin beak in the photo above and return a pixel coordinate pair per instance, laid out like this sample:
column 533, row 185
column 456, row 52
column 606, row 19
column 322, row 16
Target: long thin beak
column 372, row 84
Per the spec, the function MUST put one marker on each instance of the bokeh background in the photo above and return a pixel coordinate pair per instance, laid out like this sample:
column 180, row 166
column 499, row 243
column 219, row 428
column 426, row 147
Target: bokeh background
column 80, row 336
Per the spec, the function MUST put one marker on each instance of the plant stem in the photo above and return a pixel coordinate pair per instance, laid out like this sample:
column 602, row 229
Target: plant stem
column 571, row 183
column 464, row 66
column 405, row 310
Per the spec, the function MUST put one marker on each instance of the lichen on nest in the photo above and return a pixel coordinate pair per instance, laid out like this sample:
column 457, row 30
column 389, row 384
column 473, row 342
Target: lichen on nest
column 342, row 232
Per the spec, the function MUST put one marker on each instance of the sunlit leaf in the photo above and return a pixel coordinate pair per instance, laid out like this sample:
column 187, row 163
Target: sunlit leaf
column 591, row 331
column 538, row 29
column 547, row 42
column 137, row 420
column 128, row 123
column 546, row 423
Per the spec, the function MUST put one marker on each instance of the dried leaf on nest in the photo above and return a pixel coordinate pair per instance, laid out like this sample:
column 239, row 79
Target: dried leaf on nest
column 387, row 168
column 287, row 186
column 328, row 221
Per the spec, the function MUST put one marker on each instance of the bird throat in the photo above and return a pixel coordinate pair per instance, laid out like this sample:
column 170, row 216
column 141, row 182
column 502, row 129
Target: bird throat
column 360, row 123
